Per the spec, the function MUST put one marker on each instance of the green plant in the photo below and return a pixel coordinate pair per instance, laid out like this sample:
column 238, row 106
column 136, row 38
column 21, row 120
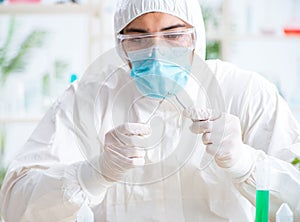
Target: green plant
column 16, row 61
column 60, row 67
column 14, row 58
column 209, row 16
column 213, row 47
column 2, row 149
column 213, row 50
column 2, row 175
column 296, row 162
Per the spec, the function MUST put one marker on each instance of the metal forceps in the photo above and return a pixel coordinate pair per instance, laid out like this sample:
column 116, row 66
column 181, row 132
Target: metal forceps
column 155, row 109
column 160, row 102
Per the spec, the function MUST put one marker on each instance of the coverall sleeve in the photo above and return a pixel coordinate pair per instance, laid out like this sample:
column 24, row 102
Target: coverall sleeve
column 269, row 125
column 49, row 178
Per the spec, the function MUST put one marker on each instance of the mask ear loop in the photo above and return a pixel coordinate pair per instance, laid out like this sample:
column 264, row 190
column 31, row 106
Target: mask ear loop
column 195, row 39
column 180, row 103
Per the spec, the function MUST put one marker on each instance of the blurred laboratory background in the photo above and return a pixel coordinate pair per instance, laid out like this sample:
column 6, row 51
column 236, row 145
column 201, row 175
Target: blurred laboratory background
column 46, row 44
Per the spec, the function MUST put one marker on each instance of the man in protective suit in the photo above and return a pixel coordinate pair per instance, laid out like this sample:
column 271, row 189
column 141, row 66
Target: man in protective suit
column 62, row 165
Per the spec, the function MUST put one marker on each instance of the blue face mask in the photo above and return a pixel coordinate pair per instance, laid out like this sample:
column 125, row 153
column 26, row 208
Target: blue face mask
column 159, row 75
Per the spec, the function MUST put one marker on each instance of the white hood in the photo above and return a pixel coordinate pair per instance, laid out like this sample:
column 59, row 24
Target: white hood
column 187, row 10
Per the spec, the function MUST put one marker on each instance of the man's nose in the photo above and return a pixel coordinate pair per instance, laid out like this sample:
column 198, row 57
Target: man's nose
column 153, row 53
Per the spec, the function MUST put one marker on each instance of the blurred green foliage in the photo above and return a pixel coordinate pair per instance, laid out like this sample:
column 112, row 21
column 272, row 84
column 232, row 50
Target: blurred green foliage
column 59, row 68
column 2, row 175
column 213, row 47
column 2, row 149
column 296, row 162
column 213, row 50
column 15, row 60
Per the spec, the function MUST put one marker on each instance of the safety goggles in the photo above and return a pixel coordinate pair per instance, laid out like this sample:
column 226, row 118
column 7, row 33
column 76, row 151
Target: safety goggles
column 180, row 38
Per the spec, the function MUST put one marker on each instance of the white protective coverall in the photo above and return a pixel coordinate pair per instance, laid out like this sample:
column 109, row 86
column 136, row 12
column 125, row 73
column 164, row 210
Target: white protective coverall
column 50, row 179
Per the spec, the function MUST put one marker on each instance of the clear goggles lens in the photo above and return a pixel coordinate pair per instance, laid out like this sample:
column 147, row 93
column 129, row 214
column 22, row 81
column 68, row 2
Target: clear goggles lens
column 182, row 38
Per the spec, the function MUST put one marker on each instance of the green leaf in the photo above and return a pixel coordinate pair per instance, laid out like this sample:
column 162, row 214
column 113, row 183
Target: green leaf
column 3, row 171
column 296, row 161
column 18, row 62
column 2, row 141
column 7, row 43
column 46, row 84
column 60, row 66
column 213, row 50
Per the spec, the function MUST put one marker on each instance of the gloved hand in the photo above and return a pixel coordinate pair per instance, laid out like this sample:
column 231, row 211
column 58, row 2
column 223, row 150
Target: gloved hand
column 223, row 139
column 123, row 150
